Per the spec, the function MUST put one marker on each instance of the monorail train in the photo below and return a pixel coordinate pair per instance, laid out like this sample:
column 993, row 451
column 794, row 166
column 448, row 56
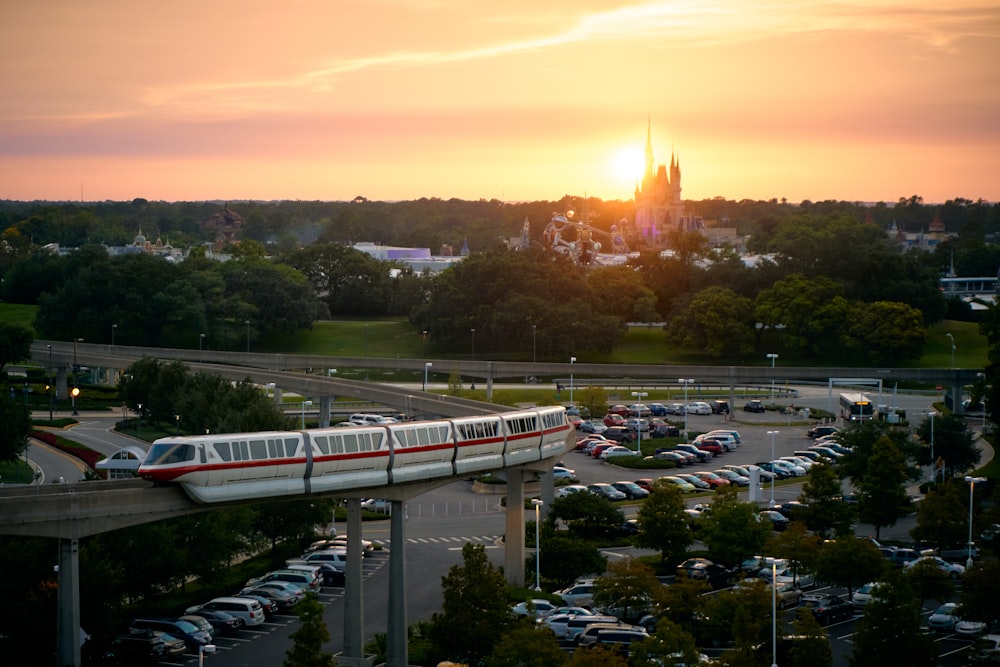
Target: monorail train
column 238, row 466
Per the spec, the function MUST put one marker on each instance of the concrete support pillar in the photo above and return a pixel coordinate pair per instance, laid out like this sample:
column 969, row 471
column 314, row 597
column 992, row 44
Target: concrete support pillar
column 325, row 403
column 354, row 622
column 489, row 380
column 513, row 561
column 956, row 396
column 62, row 386
column 278, row 400
column 68, row 605
column 398, row 651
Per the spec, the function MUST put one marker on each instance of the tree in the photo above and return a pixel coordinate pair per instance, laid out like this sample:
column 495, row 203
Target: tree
column 629, row 589
column 526, row 646
column 663, row 523
column 885, row 332
column 980, row 591
column 941, row 515
column 861, row 438
column 716, row 321
column 849, row 561
column 15, row 426
column 928, row 581
column 813, row 650
column 802, row 549
column 586, row 514
column 565, row 558
column 598, row 656
column 733, row 531
column 889, row 632
column 668, row 640
column 953, row 442
column 15, row 344
column 307, row 651
column 594, row 399
column 882, row 498
column 475, row 600
column 825, row 509
column 796, row 304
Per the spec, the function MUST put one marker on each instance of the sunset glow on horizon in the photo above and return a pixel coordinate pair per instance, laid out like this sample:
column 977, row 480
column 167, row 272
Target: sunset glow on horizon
column 402, row 99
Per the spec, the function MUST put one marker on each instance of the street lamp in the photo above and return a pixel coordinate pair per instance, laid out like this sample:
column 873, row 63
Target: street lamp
column 51, row 382
column 639, row 395
column 572, row 360
column 534, row 343
column 74, row 392
column 177, row 424
column 771, row 503
column 202, row 650
column 201, row 342
column 934, row 474
column 952, row 339
column 772, row 356
column 427, row 367
column 75, row 341
column 423, row 335
column 686, row 383
column 473, row 330
column 114, row 328
column 138, row 414
column 538, row 552
column 972, row 484
column 247, row 322
column 305, row 404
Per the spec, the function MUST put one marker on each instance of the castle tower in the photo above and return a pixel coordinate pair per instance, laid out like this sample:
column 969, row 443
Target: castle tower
column 658, row 203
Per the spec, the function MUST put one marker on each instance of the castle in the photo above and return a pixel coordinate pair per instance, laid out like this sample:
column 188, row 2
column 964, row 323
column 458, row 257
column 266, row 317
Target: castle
column 658, row 203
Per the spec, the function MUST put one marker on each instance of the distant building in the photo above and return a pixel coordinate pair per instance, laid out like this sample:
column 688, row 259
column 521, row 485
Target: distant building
column 658, row 203
column 417, row 259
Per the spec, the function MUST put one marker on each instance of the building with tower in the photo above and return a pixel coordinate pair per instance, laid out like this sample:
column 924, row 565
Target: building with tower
column 658, row 203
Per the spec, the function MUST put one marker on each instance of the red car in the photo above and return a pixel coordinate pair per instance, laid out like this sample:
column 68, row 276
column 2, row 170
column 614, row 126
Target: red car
column 645, row 483
column 713, row 480
column 619, row 410
column 710, row 446
column 614, row 419
column 596, row 451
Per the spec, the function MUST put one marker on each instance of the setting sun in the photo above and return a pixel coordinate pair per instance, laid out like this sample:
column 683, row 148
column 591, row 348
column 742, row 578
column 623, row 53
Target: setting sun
column 628, row 165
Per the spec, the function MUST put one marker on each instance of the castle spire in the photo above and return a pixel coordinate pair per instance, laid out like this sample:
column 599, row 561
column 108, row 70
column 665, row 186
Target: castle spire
column 649, row 146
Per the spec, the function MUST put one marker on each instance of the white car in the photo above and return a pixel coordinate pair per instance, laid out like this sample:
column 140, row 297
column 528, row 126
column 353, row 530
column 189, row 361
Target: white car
column 559, row 472
column 534, row 608
column 863, row 595
column 944, row 618
column 953, row 570
column 617, row 450
column 790, row 468
column 699, row 408
column 564, row 491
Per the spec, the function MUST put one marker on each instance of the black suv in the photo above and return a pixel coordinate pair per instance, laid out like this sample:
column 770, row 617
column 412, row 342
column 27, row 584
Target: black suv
column 827, row 608
column 820, row 431
column 754, row 406
column 720, row 407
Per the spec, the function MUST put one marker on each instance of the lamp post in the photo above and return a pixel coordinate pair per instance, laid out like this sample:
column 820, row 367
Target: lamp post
column 771, row 503
column 427, row 367
column 534, row 343
column 247, row 322
column 686, row 383
column 114, row 328
column 51, row 381
column 75, row 341
column 972, row 484
column 305, row 404
column 473, row 330
column 952, row 339
column 423, row 336
column 639, row 395
column 934, row 474
column 572, row 360
column 74, row 392
column 538, row 552
column 202, row 650
column 772, row 356
column 774, row 612
column 201, row 342
column 177, row 425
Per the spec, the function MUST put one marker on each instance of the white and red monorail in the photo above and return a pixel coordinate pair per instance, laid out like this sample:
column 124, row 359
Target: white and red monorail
column 238, row 466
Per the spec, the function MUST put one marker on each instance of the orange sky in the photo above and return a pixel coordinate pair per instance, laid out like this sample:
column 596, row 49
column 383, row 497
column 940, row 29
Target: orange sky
column 867, row 100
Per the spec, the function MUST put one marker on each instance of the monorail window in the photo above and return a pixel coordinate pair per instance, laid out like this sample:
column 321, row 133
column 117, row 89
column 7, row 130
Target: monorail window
column 272, row 449
column 258, row 450
column 291, row 447
column 424, row 436
column 222, row 449
column 323, row 442
column 169, row 453
column 241, row 452
column 350, row 443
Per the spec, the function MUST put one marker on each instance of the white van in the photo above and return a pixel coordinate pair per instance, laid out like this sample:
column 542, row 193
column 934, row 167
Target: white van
column 246, row 609
column 336, row 557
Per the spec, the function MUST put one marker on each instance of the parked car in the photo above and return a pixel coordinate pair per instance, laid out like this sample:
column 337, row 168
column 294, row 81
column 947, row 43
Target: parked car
column 779, row 472
column 613, row 419
column 676, row 409
column 864, row 594
column 971, row 628
column 145, row 648
column 569, row 489
column 539, row 608
column 953, row 570
column 703, row 569
column 677, row 458
column 820, row 431
column 720, row 407
column 606, row 491
column 637, row 424
column 754, row 406
column 249, row 611
column 619, row 434
column 732, row 477
column 593, row 426
column 192, row 635
column 619, row 409
column 827, row 609
column 658, row 409
column 714, row 480
column 222, row 623
column 696, row 482
column 709, row 445
column 985, row 650
column 662, row 429
column 682, row 484
column 639, row 410
column 779, row 522
column 702, row 454
column 631, row 490
column 699, row 408
column 944, row 617
column 579, row 594
column 559, row 472
column 645, row 483
column 284, row 600
column 787, row 594
column 617, row 450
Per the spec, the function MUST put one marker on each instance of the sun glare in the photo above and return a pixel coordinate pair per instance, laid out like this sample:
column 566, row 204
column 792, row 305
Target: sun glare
column 628, row 165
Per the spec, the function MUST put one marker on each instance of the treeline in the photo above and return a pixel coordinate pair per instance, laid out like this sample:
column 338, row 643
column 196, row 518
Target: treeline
column 825, row 284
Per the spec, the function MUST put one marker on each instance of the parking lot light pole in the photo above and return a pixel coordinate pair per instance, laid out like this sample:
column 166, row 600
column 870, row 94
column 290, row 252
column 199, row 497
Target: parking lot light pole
column 572, row 360
column 202, row 650
column 305, row 404
column 686, row 383
column 774, row 609
column 772, row 356
column 427, row 367
column 538, row 551
column 972, row 485
column 639, row 395
column 771, row 503
column 952, row 339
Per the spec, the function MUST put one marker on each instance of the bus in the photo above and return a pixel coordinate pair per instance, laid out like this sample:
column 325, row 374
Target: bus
column 856, row 407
